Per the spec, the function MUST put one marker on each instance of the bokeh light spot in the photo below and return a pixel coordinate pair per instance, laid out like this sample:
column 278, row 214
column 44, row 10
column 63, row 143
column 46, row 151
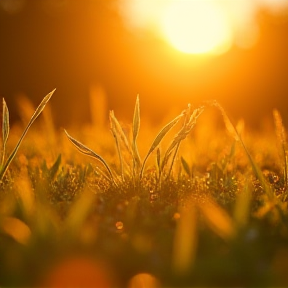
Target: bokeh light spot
column 78, row 272
column 144, row 280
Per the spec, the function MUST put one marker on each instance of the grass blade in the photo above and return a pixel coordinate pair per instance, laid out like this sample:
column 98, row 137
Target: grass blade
column 229, row 126
column 87, row 151
column 159, row 138
column 16, row 229
column 189, row 123
column 185, row 240
column 243, row 205
column 5, row 123
column 54, row 169
column 158, row 159
column 135, row 129
column 217, row 219
column 186, row 166
column 282, row 138
column 119, row 132
column 115, row 135
column 33, row 118
column 5, row 129
column 231, row 129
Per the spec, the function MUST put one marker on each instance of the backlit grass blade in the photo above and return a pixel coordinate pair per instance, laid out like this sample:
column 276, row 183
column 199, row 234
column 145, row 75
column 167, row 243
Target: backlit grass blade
column 5, row 129
column 119, row 132
column 282, row 138
column 87, row 151
column 229, row 126
column 79, row 212
column 231, row 129
column 33, row 118
column 16, row 229
column 159, row 138
column 217, row 219
column 243, row 205
column 185, row 240
column 158, row 159
column 115, row 135
column 189, row 123
column 135, row 129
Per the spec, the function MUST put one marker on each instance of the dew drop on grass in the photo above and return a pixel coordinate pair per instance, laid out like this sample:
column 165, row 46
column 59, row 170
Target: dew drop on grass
column 119, row 225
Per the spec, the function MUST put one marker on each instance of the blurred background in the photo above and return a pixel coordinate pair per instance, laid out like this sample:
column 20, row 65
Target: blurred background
column 116, row 49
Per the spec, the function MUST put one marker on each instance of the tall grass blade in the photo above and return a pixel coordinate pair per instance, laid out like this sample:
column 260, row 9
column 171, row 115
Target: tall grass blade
column 282, row 138
column 189, row 123
column 119, row 132
column 185, row 240
column 79, row 212
column 5, row 129
column 135, row 129
column 173, row 160
column 217, row 219
column 33, row 118
column 159, row 138
column 231, row 129
column 115, row 135
column 25, row 194
column 87, row 151
column 242, row 206
column 158, row 159
column 229, row 126
column 121, row 142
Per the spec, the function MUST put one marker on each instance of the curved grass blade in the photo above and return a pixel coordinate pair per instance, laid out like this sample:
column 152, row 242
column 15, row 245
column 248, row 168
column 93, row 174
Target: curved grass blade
column 119, row 132
column 189, row 123
column 158, row 159
column 282, row 138
column 115, row 135
column 33, row 118
column 229, row 126
column 87, row 151
column 136, row 128
column 5, row 129
column 217, row 219
column 159, row 138
column 16, row 229
column 121, row 140
column 232, row 129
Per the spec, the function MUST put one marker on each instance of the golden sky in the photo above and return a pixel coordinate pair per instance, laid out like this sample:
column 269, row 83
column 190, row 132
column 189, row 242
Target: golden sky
column 170, row 52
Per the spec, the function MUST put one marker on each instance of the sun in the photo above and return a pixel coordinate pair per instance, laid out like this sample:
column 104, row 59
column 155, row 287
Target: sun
column 197, row 27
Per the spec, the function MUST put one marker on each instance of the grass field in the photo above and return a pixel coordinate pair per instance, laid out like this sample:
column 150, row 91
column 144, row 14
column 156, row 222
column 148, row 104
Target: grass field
column 192, row 203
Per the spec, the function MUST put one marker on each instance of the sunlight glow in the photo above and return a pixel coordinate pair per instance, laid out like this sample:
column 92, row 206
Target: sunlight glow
column 197, row 27
column 200, row 26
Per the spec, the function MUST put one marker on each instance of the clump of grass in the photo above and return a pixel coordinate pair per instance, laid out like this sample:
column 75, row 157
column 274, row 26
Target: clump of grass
column 5, row 132
column 123, row 145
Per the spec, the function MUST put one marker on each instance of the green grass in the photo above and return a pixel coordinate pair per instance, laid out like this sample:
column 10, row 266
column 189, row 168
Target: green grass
column 191, row 204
